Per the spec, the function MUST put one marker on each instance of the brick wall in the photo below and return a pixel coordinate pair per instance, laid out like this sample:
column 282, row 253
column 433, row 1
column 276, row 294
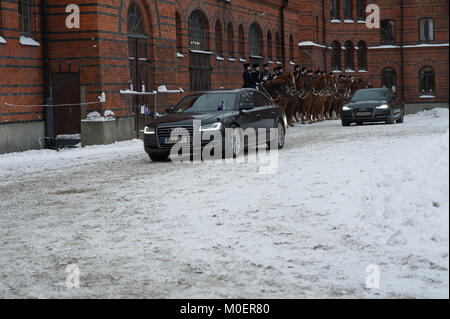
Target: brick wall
column 99, row 49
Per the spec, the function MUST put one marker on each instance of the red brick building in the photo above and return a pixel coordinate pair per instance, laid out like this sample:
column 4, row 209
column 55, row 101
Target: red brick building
column 196, row 44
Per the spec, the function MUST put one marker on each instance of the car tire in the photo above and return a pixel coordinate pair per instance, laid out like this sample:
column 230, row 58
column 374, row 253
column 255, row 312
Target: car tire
column 281, row 140
column 344, row 123
column 236, row 141
column 402, row 116
column 158, row 157
column 390, row 119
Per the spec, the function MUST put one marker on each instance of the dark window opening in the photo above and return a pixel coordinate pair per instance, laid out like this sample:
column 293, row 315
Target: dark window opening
column 388, row 79
column 24, row 17
column 135, row 21
column 348, row 9
column 335, row 9
column 197, row 37
column 426, row 84
column 219, row 39
column 230, row 39
column 179, row 32
column 426, row 30
column 241, row 42
column 255, row 40
column 362, row 56
column 336, row 56
column 388, row 31
column 361, row 10
column 348, row 57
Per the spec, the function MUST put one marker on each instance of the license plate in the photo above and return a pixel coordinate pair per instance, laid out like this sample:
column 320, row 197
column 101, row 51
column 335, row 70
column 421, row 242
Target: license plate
column 364, row 114
column 181, row 139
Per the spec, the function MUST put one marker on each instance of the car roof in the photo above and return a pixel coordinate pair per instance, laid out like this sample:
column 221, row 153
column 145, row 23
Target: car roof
column 225, row 91
column 374, row 89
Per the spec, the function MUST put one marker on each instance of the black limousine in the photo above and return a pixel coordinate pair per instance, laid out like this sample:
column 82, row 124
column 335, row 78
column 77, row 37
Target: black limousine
column 373, row 105
column 237, row 110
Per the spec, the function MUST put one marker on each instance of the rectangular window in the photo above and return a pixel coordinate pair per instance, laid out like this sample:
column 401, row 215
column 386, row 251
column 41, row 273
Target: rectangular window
column 426, row 30
column 361, row 10
column 24, row 16
column 388, row 31
column 335, row 9
column 348, row 8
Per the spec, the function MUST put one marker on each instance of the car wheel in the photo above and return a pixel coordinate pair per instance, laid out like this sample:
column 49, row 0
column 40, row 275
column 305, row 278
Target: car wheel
column 281, row 136
column 402, row 116
column 390, row 119
column 235, row 144
column 344, row 123
column 158, row 157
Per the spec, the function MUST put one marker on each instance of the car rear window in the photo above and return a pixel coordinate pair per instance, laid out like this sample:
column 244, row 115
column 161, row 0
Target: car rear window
column 370, row 95
column 208, row 102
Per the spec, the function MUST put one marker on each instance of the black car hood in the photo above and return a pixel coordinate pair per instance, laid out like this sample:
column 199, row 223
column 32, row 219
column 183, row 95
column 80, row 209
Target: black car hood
column 188, row 118
column 366, row 103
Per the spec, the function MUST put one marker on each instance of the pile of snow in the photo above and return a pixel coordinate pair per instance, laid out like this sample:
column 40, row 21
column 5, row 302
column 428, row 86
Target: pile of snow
column 97, row 117
column 436, row 112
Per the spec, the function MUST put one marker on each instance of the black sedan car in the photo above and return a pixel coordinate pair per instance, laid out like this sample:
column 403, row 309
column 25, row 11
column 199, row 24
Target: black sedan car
column 373, row 105
column 215, row 111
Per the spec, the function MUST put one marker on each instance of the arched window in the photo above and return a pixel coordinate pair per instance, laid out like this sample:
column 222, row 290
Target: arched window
column 197, row 27
column 241, row 42
column 336, row 56
column 335, row 9
column 269, row 45
column 362, row 55
column 348, row 9
column 348, row 57
column 388, row 79
column 179, row 32
column 135, row 21
column 361, row 10
column 426, row 84
column 278, row 49
column 426, row 27
column 255, row 40
column 219, row 39
column 230, row 40
column 291, row 48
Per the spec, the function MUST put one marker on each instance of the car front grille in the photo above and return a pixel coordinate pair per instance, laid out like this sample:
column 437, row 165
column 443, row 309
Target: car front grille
column 165, row 132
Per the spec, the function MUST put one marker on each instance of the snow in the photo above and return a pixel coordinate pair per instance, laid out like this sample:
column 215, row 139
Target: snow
column 426, row 45
column 349, row 21
column 343, row 198
column 387, row 46
column 180, row 55
column 2, row 40
column 310, row 43
column 201, row 51
column 426, row 96
column 219, row 58
column 335, row 21
column 28, row 41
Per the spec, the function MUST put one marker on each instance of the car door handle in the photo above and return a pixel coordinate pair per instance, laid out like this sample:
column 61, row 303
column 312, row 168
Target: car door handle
column 258, row 115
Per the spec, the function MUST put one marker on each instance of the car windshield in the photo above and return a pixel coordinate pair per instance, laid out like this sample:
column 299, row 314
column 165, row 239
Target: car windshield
column 208, row 102
column 370, row 95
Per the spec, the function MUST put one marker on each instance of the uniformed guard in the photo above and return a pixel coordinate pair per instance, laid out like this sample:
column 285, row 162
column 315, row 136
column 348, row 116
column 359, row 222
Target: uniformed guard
column 256, row 74
column 248, row 78
column 266, row 73
column 297, row 70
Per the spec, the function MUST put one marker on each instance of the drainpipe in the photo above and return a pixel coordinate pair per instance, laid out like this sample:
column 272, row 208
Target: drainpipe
column 48, row 94
column 324, row 25
column 402, row 58
column 283, row 42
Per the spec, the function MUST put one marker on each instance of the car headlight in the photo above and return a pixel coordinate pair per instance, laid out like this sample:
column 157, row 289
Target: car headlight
column 149, row 130
column 346, row 108
column 211, row 127
column 383, row 107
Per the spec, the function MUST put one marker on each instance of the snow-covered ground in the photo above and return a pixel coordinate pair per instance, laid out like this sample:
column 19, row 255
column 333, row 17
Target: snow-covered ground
column 342, row 199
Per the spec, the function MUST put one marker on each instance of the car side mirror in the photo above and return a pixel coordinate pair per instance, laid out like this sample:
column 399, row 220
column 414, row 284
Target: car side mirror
column 246, row 106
